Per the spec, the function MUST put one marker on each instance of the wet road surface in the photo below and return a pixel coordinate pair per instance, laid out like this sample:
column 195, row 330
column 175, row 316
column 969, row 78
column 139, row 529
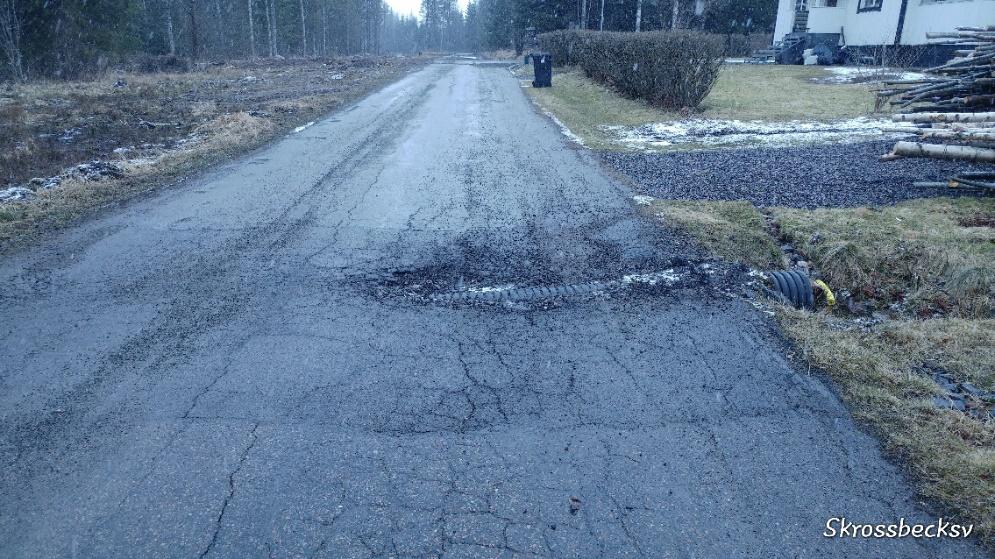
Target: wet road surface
column 259, row 363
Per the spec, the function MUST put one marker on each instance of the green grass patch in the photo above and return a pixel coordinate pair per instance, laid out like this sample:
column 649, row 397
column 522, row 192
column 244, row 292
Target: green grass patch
column 742, row 92
column 733, row 231
column 776, row 92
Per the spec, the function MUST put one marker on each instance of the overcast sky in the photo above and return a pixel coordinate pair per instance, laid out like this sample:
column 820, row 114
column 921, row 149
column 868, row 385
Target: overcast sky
column 411, row 7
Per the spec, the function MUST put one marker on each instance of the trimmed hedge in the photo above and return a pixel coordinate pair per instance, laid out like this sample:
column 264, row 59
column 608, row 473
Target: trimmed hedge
column 674, row 69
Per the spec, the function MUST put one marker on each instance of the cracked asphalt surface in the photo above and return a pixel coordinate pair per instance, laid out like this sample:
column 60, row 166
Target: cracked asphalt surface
column 240, row 366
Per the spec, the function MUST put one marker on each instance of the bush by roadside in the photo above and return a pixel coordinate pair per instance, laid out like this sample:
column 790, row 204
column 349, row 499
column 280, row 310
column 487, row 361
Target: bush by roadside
column 674, row 69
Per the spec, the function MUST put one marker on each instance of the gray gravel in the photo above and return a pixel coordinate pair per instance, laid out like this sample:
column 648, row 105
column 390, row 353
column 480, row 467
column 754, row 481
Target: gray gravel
column 837, row 175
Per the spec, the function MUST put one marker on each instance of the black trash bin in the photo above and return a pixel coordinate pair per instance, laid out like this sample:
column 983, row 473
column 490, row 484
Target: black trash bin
column 542, row 64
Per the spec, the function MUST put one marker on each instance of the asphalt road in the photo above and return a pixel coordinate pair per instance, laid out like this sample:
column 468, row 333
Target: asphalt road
column 258, row 363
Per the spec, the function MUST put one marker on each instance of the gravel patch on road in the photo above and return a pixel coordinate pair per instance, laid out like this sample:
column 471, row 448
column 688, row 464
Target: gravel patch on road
column 833, row 175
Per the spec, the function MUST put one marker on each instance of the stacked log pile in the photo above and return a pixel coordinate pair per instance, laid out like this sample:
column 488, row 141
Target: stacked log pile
column 952, row 110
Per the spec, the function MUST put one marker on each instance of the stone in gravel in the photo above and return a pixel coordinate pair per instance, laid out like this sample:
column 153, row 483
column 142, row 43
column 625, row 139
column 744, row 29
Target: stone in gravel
column 830, row 175
column 45, row 184
column 968, row 388
column 951, row 402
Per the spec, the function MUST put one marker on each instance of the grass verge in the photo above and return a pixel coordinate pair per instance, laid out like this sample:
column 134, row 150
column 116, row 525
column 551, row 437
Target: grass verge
column 158, row 127
column 742, row 92
column 733, row 229
column 918, row 278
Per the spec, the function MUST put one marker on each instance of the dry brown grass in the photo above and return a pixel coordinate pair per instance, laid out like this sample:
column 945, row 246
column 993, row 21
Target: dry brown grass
column 925, row 256
column 935, row 255
column 170, row 123
column 734, row 231
column 880, row 375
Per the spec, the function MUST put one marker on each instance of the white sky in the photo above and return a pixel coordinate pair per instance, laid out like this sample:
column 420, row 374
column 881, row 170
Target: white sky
column 412, row 7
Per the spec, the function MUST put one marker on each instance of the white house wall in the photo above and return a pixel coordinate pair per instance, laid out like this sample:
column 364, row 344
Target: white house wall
column 827, row 20
column 785, row 19
column 879, row 27
column 944, row 16
column 872, row 28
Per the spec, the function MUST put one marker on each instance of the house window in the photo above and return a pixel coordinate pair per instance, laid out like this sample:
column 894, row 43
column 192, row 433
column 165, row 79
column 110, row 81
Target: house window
column 869, row 6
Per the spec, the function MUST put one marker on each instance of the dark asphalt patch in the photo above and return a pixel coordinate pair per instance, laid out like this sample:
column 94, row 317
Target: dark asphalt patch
column 446, row 285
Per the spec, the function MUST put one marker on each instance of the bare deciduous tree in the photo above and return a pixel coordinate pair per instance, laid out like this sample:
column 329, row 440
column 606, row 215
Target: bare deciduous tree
column 10, row 38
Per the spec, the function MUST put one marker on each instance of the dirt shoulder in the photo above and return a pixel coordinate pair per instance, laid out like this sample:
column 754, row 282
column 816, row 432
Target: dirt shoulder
column 70, row 148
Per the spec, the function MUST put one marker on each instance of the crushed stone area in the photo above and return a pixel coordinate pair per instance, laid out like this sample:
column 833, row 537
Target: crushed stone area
column 831, row 175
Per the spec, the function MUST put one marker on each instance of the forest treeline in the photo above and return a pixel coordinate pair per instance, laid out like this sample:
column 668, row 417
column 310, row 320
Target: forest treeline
column 74, row 38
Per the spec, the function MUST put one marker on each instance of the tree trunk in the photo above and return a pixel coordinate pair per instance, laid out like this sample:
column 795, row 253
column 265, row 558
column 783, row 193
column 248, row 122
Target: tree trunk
column 675, row 15
column 303, row 30
column 271, row 26
column 252, row 31
column 639, row 14
column 169, row 28
column 324, row 31
column 194, row 37
column 219, row 21
column 10, row 35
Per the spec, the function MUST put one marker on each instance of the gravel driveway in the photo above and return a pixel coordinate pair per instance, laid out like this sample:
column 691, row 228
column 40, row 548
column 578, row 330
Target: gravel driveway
column 835, row 175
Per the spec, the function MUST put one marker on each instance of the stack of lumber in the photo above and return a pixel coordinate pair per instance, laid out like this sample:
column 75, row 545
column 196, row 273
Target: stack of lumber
column 952, row 109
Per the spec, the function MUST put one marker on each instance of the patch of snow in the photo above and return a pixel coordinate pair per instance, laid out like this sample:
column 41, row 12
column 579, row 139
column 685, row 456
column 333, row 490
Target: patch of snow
column 303, row 127
column 563, row 128
column 642, row 200
column 719, row 133
column 667, row 276
column 862, row 74
column 16, row 193
column 491, row 289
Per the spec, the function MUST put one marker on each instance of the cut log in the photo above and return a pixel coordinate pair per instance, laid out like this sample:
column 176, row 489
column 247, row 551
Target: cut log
column 940, row 151
column 944, row 117
column 962, row 135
